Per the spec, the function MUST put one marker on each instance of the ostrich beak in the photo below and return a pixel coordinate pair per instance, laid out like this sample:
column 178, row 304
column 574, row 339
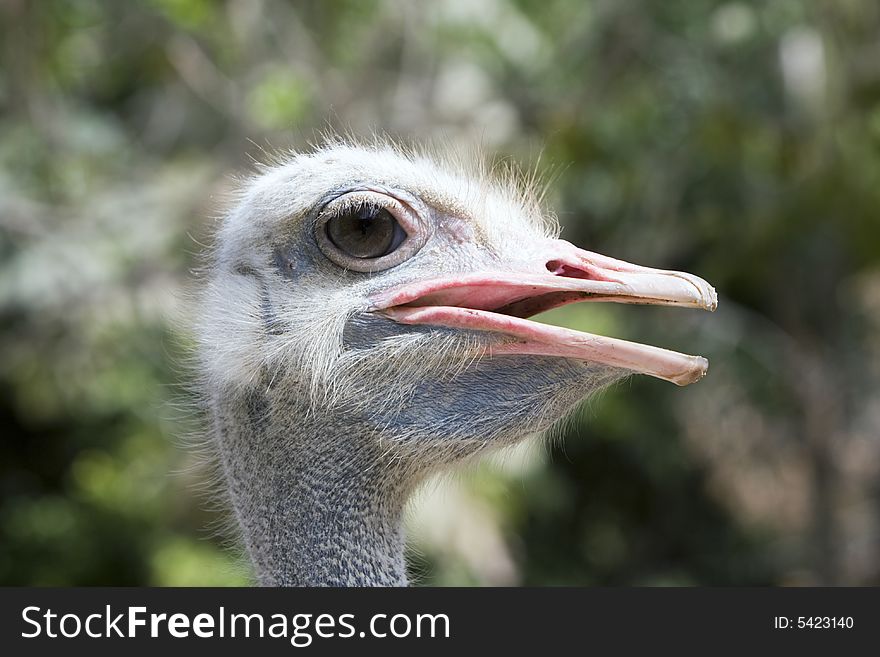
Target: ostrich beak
column 558, row 274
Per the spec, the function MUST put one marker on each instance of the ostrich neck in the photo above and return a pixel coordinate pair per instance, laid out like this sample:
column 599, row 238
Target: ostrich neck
column 314, row 505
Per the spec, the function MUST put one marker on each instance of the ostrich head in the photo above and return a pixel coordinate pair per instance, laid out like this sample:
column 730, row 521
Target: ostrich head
column 366, row 322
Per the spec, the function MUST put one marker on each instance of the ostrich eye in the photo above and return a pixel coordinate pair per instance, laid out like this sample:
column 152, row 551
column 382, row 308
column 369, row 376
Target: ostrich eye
column 368, row 230
column 365, row 231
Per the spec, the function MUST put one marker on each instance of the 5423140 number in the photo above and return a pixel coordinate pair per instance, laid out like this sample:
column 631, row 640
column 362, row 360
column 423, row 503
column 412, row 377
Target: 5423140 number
column 813, row 622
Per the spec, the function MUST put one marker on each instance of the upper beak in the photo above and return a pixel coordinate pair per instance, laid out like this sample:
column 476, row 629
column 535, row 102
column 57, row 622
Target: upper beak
column 557, row 273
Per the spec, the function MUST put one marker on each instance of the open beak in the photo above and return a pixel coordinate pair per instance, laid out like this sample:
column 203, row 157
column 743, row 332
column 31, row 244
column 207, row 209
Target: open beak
column 559, row 274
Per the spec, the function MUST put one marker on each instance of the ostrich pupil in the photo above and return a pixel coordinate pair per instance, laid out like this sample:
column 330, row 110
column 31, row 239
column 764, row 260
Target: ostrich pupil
column 364, row 232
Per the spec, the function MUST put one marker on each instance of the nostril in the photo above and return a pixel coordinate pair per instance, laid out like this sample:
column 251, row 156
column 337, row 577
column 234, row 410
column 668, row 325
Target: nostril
column 555, row 267
column 559, row 268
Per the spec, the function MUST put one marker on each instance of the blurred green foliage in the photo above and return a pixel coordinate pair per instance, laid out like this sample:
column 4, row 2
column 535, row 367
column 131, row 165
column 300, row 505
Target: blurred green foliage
column 737, row 140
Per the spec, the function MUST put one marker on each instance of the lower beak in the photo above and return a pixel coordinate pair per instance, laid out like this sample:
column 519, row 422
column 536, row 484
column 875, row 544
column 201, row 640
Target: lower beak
column 559, row 273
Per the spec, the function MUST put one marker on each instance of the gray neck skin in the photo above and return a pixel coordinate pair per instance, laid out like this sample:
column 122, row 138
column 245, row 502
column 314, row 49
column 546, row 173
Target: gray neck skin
column 315, row 507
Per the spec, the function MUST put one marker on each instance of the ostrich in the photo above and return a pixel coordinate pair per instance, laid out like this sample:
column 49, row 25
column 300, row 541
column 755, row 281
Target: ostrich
column 364, row 324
